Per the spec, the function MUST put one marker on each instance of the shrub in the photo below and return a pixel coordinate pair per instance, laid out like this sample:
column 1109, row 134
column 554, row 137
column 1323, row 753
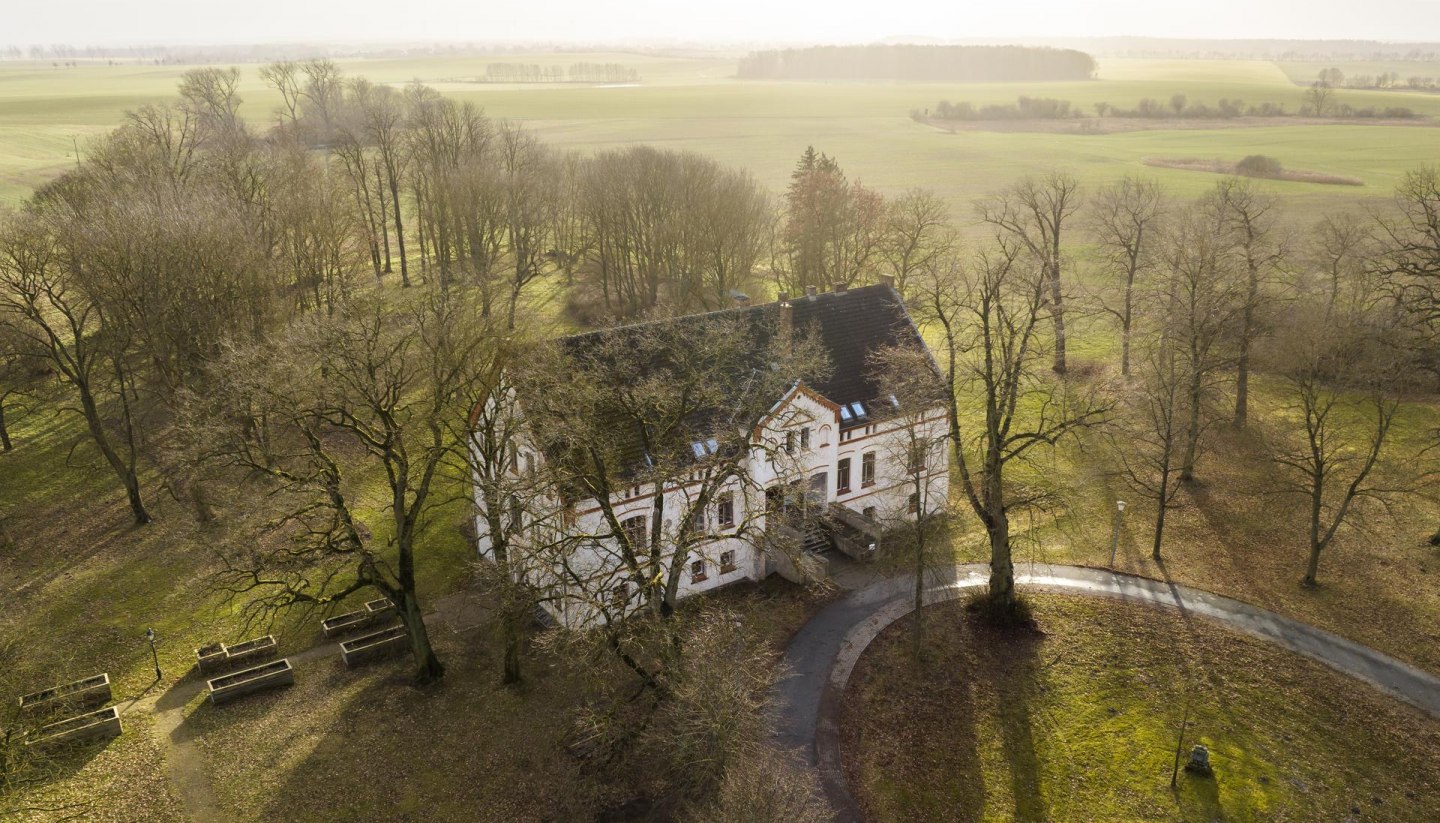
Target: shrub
column 1259, row 165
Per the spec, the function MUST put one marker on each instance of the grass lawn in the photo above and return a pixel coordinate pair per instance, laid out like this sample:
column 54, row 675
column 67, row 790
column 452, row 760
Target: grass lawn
column 1079, row 722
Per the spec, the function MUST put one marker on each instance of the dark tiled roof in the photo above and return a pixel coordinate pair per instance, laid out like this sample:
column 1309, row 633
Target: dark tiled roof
column 850, row 326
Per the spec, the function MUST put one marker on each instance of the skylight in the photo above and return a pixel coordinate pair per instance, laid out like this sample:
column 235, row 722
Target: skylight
column 845, row 413
column 894, row 402
column 858, row 409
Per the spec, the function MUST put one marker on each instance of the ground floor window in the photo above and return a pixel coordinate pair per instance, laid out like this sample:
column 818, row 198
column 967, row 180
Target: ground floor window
column 914, row 503
column 697, row 571
column 727, row 562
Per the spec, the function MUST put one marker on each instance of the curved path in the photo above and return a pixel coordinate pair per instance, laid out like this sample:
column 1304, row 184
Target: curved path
column 823, row 653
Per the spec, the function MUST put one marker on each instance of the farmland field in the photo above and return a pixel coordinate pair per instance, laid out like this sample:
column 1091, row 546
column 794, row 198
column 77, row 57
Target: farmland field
column 694, row 103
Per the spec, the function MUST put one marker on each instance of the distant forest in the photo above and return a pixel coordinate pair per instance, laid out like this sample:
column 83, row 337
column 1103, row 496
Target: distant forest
column 962, row 64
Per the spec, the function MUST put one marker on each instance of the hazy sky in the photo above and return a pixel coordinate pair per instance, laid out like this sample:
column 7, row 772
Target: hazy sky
column 80, row 22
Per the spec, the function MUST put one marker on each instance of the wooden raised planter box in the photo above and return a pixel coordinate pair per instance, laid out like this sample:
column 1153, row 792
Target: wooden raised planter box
column 374, row 646
column 251, row 651
column 342, row 624
column 96, row 725
column 218, row 657
column 257, row 678
column 210, row 659
column 92, row 691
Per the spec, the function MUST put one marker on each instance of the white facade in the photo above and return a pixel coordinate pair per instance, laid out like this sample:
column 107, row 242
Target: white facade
column 807, row 451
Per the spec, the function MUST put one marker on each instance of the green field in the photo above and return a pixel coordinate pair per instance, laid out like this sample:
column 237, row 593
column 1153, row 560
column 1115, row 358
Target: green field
column 693, row 103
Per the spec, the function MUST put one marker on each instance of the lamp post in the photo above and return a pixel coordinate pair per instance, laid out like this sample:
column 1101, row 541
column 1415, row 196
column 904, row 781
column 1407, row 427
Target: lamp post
column 150, row 636
column 1115, row 530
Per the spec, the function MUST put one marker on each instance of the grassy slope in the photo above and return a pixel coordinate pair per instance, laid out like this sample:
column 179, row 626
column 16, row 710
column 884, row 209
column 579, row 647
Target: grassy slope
column 1081, row 723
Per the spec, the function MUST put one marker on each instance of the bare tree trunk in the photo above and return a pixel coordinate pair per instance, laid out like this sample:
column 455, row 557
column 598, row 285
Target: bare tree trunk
column 399, row 229
column 384, row 225
column 428, row 667
column 1057, row 312
column 1002, row 566
column 5, row 444
column 1242, row 363
column 1161, row 506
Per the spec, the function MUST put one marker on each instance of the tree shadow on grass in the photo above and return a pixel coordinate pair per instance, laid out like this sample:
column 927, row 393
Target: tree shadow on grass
column 1007, row 662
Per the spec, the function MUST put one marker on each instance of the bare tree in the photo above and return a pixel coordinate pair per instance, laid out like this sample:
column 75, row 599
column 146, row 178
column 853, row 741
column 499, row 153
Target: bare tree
column 918, row 234
column 370, row 386
column 1203, row 300
column 1250, row 218
column 284, row 77
column 72, row 333
column 1332, row 464
column 1410, row 264
column 908, row 375
column 1150, row 435
column 988, row 317
column 1125, row 218
column 1033, row 213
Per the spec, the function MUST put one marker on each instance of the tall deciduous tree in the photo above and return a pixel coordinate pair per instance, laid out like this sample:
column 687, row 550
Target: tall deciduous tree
column 1202, row 304
column 1125, row 218
column 1334, row 372
column 1033, row 213
column 380, row 389
column 989, row 318
column 1249, row 217
column 74, row 334
column 918, row 234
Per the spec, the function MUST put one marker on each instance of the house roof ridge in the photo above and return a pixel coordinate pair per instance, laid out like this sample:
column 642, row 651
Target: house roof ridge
column 730, row 310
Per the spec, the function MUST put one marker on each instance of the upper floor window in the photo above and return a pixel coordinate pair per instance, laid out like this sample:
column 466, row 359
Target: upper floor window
column 789, row 442
column 727, row 561
column 725, row 511
column 914, row 503
column 842, row 476
column 867, row 469
column 805, row 438
column 697, row 520
column 634, row 528
column 918, row 447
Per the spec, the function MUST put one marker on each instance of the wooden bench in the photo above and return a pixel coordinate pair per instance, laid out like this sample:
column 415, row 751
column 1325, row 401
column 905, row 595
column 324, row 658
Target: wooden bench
column 96, row 725
column 374, row 646
column 256, row 678
column 92, row 691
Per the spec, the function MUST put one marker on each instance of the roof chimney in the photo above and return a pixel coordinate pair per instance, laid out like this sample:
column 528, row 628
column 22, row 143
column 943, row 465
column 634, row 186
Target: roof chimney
column 810, row 292
column 888, row 281
column 840, row 288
